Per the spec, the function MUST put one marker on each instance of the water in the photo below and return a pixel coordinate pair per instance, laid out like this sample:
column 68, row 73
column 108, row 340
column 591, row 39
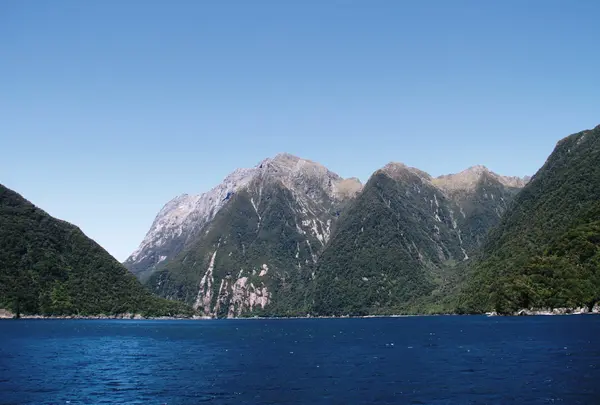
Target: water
column 420, row 360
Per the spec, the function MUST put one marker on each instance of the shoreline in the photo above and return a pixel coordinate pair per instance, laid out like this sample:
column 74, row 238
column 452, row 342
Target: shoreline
column 257, row 318
column 203, row 318
column 5, row 314
column 595, row 310
column 106, row 318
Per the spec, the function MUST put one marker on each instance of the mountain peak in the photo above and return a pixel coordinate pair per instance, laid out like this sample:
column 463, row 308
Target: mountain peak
column 468, row 179
column 398, row 170
column 184, row 215
column 286, row 163
column 478, row 169
column 284, row 156
column 284, row 159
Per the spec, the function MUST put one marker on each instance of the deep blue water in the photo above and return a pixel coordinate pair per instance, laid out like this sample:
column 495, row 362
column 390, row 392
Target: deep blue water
column 417, row 360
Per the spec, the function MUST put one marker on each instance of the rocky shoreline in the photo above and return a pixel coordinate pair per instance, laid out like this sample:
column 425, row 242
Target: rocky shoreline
column 551, row 311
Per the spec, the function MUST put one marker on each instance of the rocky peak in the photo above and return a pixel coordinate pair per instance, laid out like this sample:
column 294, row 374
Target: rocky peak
column 286, row 165
column 514, row 181
column 477, row 170
column 465, row 180
column 181, row 218
column 301, row 176
column 398, row 171
column 468, row 179
column 288, row 161
column 238, row 178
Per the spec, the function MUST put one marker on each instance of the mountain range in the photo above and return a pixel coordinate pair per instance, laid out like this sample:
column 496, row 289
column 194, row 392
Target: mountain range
column 288, row 237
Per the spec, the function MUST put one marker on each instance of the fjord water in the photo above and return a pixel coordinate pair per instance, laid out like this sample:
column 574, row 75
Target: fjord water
column 413, row 360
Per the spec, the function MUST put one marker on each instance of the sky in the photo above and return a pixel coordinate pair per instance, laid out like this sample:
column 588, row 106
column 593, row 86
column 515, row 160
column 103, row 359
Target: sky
column 109, row 109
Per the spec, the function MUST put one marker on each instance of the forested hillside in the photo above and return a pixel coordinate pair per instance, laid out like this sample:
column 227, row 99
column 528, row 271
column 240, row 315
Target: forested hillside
column 49, row 267
column 399, row 246
column 546, row 251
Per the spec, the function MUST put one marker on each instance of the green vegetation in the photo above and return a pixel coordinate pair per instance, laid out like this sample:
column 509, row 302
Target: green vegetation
column 398, row 249
column 49, row 267
column 544, row 253
column 481, row 211
column 243, row 243
column 370, row 264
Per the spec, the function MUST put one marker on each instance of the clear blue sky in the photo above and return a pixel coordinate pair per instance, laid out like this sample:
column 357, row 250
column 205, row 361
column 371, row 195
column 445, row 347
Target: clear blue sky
column 111, row 108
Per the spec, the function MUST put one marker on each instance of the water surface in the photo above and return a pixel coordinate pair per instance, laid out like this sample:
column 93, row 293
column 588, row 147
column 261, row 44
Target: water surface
column 415, row 360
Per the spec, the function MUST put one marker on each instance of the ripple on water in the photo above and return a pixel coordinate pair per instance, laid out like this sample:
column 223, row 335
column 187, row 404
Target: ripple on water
column 433, row 360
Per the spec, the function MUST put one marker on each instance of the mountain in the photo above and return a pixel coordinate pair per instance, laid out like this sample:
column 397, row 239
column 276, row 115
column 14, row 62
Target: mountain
column 482, row 196
column 180, row 221
column 545, row 253
column 289, row 237
column 49, row 267
column 401, row 237
column 250, row 242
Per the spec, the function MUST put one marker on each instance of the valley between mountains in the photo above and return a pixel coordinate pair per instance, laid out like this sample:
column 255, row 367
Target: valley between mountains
column 288, row 237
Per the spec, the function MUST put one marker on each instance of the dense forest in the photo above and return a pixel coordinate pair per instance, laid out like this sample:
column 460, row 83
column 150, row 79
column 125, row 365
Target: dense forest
column 380, row 257
column 49, row 267
column 545, row 252
column 399, row 248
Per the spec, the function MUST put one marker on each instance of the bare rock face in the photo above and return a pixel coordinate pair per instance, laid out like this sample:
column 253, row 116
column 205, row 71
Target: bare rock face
column 400, row 171
column 228, row 251
column 181, row 219
column 553, row 311
column 347, row 188
column 468, row 179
